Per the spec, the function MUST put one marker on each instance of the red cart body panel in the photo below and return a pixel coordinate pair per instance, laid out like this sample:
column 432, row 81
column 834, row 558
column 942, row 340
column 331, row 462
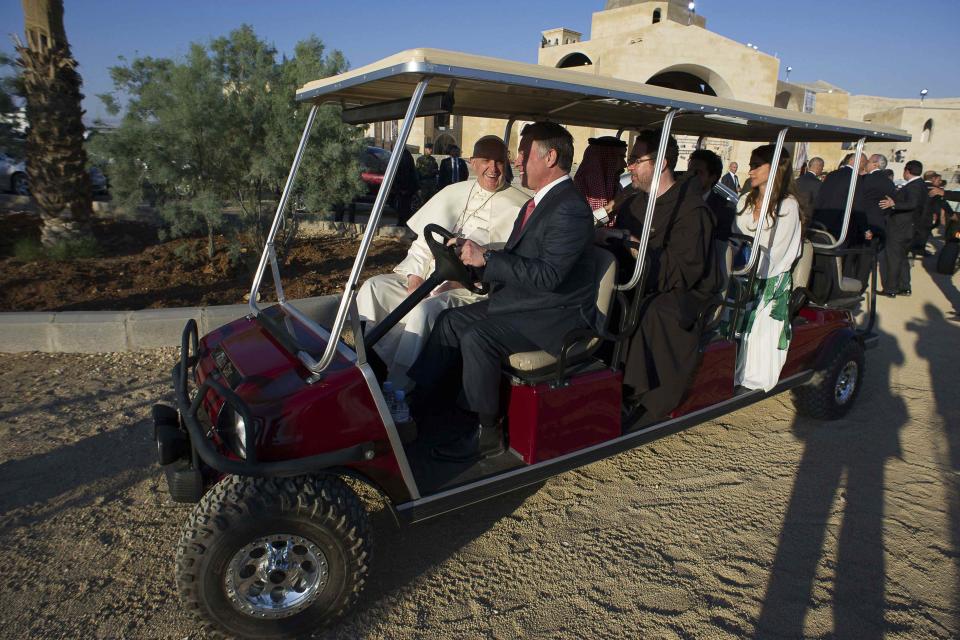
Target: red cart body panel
column 547, row 422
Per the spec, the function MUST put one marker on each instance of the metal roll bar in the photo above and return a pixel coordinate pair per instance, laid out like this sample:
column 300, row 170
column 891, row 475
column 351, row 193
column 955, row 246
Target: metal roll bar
column 269, row 252
column 506, row 132
column 651, row 203
column 851, row 191
column 767, row 195
column 349, row 288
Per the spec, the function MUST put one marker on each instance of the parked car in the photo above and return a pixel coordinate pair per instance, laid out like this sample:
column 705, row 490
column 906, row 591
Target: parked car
column 99, row 182
column 13, row 175
column 373, row 164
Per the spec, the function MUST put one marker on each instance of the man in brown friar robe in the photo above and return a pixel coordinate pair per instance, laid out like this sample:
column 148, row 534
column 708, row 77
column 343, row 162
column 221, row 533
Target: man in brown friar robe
column 682, row 279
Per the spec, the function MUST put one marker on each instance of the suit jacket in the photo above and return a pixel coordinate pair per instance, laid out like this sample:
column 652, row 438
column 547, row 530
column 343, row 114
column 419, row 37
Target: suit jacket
column 876, row 187
column 731, row 181
column 832, row 201
column 446, row 171
column 808, row 188
column 544, row 276
column 909, row 203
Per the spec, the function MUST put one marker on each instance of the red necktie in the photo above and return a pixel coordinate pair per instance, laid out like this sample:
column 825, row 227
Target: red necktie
column 527, row 212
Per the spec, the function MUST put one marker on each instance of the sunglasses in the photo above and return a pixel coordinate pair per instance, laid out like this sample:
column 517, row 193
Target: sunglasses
column 756, row 165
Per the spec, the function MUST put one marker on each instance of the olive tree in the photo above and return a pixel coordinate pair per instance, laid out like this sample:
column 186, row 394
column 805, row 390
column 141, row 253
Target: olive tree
column 218, row 130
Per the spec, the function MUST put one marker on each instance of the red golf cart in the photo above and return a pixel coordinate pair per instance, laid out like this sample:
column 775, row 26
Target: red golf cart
column 277, row 415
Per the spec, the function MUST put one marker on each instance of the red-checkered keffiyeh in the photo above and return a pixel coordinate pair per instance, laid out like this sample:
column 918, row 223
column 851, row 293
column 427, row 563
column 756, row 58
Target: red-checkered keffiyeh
column 598, row 176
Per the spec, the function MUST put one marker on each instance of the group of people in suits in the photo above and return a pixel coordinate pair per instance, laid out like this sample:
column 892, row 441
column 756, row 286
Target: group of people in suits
column 886, row 220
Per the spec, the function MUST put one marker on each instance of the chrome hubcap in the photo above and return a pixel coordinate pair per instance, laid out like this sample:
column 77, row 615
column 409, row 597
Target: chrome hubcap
column 276, row 576
column 846, row 382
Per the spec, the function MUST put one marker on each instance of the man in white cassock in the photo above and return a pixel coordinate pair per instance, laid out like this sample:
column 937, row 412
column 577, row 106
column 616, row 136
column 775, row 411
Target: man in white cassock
column 482, row 209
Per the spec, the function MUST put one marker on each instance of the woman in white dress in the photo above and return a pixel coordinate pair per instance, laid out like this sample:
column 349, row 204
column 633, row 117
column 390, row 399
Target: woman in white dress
column 482, row 209
column 766, row 326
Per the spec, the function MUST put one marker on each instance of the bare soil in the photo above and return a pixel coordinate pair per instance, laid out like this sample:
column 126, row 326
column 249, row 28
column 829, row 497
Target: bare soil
column 760, row 524
column 137, row 271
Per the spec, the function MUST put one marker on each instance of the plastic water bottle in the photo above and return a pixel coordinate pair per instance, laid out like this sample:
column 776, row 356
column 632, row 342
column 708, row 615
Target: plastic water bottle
column 400, row 412
column 389, row 395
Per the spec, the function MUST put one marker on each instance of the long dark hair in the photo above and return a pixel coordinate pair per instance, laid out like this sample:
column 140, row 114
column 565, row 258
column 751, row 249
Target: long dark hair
column 783, row 184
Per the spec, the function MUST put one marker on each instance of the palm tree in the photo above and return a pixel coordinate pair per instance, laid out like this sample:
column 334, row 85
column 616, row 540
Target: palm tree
column 57, row 161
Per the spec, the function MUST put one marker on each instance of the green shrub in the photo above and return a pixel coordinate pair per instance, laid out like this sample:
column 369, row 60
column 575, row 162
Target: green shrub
column 30, row 250
column 27, row 249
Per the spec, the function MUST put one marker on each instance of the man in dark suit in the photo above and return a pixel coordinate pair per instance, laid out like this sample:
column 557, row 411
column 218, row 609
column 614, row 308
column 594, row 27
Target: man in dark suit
column 730, row 178
column 901, row 210
column 542, row 288
column 720, row 199
column 831, row 203
column 808, row 184
column 452, row 169
column 876, row 187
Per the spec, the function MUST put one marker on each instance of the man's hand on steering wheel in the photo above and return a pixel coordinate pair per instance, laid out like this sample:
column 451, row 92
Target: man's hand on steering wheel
column 471, row 254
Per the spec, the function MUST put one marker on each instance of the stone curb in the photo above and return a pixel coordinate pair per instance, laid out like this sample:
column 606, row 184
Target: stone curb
column 108, row 331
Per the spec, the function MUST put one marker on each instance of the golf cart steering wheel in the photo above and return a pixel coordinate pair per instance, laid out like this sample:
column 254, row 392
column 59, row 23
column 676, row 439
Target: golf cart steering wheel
column 448, row 263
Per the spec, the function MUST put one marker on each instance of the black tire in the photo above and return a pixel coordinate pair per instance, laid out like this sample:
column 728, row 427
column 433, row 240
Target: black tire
column 19, row 184
column 319, row 519
column 947, row 258
column 832, row 390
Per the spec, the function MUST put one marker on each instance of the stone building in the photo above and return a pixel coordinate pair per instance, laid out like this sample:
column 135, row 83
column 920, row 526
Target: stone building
column 665, row 43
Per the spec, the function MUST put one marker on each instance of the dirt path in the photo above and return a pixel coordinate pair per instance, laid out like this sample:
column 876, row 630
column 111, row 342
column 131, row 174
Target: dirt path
column 759, row 524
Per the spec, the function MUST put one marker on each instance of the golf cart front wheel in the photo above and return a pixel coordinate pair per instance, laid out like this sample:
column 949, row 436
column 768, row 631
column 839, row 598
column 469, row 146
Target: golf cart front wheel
column 273, row 558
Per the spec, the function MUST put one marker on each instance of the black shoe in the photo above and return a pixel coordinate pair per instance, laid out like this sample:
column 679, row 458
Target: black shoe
column 889, row 294
column 480, row 442
column 905, row 292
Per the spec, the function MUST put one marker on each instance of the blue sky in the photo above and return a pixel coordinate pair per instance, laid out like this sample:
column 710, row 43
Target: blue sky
column 880, row 47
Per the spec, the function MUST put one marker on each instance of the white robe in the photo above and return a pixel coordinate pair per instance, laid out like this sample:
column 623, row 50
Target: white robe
column 760, row 359
column 487, row 219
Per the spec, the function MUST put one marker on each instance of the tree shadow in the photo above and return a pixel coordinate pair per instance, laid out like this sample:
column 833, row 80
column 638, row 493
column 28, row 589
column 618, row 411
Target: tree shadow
column 937, row 340
column 854, row 450
column 113, row 460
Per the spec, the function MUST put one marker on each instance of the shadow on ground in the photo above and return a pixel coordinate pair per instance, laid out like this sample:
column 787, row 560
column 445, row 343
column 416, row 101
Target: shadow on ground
column 841, row 462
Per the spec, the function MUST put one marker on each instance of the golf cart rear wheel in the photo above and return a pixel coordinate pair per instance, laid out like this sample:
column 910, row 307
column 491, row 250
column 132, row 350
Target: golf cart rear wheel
column 832, row 391
column 273, row 558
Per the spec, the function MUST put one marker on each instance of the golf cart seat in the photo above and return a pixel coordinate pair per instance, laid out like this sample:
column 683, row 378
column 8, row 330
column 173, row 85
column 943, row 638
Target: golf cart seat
column 605, row 270
column 801, row 278
column 827, row 280
column 714, row 313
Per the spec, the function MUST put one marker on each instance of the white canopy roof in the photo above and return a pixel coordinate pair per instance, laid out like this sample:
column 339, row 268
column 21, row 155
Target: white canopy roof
column 490, row 87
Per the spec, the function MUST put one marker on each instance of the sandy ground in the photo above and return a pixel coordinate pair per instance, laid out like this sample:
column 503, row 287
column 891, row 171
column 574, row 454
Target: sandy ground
column 760, row 524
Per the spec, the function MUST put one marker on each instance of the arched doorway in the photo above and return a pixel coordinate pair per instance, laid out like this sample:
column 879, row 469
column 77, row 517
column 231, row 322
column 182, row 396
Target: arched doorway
column 693, row 78
column 442, row 144
column 682, row 81
column 574, row 60
column 927, row 133
column 701, row 81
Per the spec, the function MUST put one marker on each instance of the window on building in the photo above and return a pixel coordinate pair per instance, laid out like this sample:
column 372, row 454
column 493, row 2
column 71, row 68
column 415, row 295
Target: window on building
column 656, row 16
column 927, row 134
column 441, row 121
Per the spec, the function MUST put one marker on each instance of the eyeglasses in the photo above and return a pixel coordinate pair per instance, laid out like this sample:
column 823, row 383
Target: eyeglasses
column 632, row 160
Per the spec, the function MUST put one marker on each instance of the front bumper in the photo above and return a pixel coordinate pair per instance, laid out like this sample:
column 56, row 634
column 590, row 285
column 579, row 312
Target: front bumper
column 184, row 448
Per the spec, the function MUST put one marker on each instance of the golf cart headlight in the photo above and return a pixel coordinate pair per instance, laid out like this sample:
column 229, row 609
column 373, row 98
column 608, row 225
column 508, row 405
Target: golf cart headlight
column 232, row 429
column 240, row 431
